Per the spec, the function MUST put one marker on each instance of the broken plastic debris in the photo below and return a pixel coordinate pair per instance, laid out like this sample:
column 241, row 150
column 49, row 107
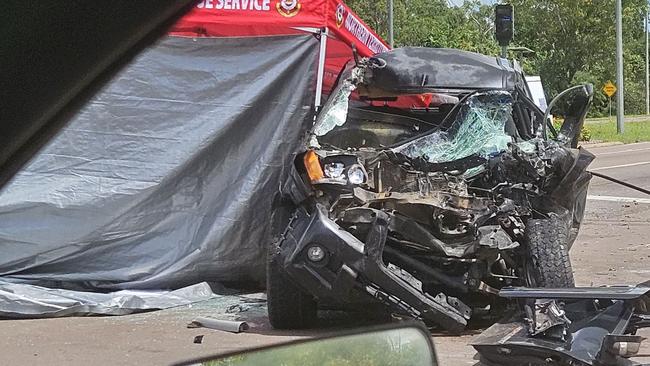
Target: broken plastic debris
column 478, row 128
column 217, row 324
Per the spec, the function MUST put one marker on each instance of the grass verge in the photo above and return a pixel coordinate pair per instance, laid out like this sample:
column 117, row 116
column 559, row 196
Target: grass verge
column 606, row 131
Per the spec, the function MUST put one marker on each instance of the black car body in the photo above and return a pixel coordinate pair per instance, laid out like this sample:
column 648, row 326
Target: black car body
column 430, row 210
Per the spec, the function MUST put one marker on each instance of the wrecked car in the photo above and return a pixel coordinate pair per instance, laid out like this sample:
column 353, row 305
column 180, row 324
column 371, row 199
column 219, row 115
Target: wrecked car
column 428, row 210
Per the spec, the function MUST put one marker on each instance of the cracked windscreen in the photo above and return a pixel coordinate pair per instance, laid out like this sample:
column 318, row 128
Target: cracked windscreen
column 346, row 123
column 479, row 127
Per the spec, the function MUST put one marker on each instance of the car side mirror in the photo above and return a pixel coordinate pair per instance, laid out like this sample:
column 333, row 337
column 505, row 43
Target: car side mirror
column 575, row 103
column 396, row 344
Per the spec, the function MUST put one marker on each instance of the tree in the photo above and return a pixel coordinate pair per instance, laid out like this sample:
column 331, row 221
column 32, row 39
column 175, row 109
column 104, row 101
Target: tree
column 574, row 40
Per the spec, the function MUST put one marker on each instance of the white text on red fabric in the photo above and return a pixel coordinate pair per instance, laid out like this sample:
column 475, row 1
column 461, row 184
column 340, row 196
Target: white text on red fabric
column 257, row 5
column 354, row 26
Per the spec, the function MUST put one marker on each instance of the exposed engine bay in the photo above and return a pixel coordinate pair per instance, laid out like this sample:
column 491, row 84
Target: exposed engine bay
column 432, row 211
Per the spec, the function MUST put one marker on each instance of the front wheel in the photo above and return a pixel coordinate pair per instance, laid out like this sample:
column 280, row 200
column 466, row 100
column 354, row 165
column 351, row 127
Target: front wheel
column 288, row 306
column 547, row 262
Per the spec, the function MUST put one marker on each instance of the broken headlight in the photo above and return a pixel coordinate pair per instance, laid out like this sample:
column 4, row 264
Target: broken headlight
column 334, row 170
column 356, row 175
column 344, row 170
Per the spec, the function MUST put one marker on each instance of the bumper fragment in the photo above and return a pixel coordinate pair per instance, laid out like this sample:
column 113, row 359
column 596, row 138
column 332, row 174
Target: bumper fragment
column 599, row 329
column 354, row 265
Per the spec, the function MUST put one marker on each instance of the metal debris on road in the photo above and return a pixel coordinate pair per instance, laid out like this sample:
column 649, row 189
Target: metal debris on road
column 217, row 324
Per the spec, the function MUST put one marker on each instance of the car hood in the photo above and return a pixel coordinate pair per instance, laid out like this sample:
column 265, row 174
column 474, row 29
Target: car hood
column 415, row 70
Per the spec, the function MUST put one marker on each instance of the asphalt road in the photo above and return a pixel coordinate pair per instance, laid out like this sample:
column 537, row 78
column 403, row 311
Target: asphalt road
column 613, row 248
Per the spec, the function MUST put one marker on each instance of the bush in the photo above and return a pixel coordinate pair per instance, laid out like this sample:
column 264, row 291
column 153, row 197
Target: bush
column 585, row 134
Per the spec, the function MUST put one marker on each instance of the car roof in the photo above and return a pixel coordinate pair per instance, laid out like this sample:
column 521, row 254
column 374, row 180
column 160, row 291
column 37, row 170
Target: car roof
column 416, row 70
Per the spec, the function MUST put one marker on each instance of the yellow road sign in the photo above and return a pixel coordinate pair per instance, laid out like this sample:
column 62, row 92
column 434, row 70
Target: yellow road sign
column 609, row 89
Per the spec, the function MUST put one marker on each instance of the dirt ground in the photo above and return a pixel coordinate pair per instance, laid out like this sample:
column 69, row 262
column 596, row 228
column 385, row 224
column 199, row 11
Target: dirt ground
column 612, row 249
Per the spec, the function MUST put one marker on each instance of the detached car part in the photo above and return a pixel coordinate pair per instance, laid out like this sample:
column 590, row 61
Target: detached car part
column 579, row 326
column 428, row 211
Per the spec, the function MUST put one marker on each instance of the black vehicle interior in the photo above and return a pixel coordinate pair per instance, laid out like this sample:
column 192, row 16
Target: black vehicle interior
column 385, row 126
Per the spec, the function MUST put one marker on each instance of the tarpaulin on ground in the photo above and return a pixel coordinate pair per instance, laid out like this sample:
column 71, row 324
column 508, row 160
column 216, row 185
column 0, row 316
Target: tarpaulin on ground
column 27, row 301
column 166, row 178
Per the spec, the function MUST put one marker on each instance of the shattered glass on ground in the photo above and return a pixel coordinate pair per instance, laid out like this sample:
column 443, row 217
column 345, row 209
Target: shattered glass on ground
column 478, row 128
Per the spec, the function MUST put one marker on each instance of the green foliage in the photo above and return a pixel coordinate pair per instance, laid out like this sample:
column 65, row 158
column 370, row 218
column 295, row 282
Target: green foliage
column 574, row 40
column 585, row 133
column 386, row 348
column 432, row 23
column 634, row 132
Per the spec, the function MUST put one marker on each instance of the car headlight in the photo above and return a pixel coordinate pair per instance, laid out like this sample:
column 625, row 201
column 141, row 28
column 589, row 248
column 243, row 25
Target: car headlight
column 356, row 175
column 342, row 170
column 334, row 170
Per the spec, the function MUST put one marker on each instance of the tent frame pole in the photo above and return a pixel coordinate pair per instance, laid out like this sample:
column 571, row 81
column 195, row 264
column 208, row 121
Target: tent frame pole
column 324, row 33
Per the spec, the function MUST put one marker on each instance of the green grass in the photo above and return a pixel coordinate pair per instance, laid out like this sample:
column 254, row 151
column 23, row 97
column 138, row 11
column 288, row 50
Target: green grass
column 603, row 130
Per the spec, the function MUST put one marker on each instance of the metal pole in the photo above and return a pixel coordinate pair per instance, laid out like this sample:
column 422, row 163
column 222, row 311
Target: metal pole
column 647, row 63
column 391, row 34
column 504, row 51
column 610, row 110
column 620, row 96
column 321, row 69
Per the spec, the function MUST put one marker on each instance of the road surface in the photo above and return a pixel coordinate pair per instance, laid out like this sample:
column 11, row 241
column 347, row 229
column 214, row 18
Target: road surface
column 613, row 248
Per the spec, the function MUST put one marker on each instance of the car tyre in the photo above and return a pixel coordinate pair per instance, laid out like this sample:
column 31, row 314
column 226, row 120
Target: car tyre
column 548, row 263
column 288, row 306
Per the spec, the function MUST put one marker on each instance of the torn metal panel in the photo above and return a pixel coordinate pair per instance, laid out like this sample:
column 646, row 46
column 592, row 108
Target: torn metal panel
column 594, row 331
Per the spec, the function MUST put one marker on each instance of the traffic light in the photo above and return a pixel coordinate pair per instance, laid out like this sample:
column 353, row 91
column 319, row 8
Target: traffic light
column 505, row 24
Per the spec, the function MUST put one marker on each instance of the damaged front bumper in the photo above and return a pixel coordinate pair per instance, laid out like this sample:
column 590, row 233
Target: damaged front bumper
column 577, row 326
column 332, row 264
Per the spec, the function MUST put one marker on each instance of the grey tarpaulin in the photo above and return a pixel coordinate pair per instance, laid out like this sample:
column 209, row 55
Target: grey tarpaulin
column 167, row 177
column 27, row 301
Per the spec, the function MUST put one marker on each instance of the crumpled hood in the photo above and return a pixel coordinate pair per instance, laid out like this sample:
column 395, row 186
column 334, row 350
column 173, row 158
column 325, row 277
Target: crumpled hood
column 418, row 70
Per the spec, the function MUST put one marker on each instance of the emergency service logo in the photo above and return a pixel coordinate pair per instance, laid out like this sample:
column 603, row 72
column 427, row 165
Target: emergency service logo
column 340, row 15
column 288, row 8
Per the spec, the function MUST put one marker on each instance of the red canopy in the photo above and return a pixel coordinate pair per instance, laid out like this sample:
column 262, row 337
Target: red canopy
column 264, row 17
column 228, row 18
column 222, row 18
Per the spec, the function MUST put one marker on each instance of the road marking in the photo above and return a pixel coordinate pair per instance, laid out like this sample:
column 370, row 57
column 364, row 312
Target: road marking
column 620, row 166
column 619, row 199
column 622, row 151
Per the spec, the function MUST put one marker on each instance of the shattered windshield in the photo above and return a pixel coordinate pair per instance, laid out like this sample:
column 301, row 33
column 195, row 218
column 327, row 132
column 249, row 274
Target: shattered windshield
column 347, row 123
column 335, row 112
column 479, row 127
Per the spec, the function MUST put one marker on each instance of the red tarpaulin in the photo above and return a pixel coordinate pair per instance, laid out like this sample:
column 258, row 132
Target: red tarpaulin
column 237, row 18
column 267, row 17
column 223, row 18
